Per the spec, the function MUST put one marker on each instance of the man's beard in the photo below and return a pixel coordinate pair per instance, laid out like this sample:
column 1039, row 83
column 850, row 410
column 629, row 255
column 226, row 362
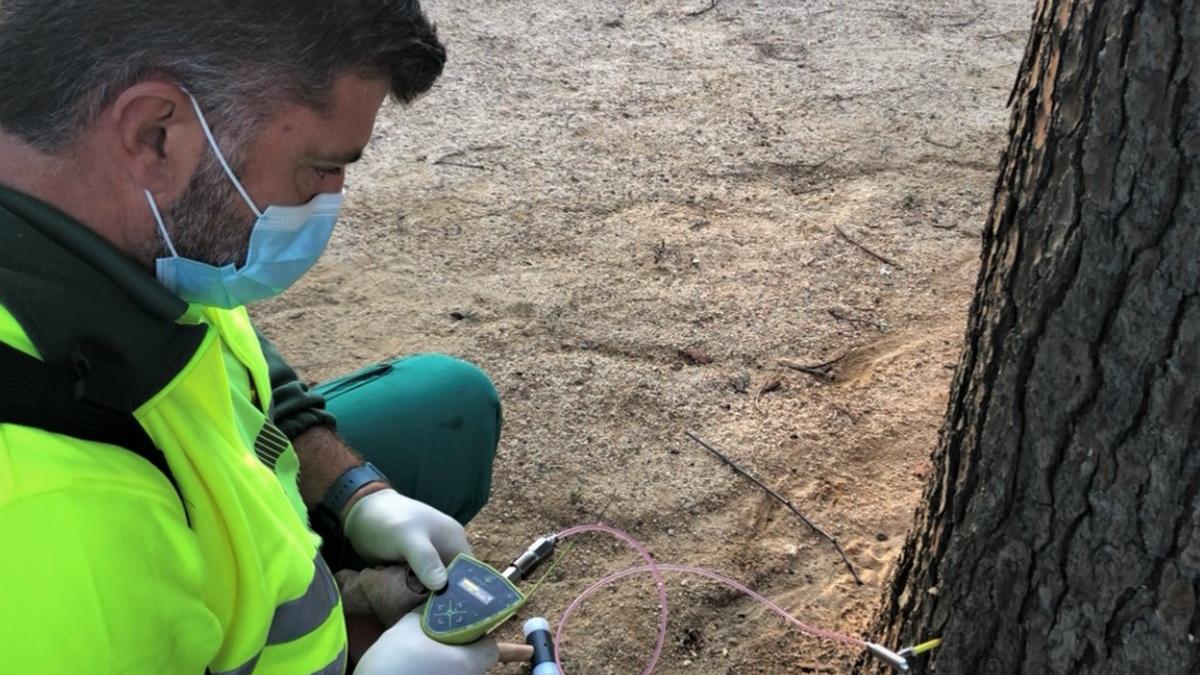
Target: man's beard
column 209, row 222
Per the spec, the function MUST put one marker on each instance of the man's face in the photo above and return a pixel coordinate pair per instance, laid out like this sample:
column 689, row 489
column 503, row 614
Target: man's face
column 300, row 154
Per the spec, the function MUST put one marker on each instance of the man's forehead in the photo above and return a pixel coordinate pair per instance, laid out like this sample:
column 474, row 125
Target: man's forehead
column 339, row 134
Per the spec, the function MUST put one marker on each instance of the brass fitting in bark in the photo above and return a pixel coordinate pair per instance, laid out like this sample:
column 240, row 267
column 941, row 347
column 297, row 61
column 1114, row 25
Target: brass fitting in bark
column 888, row 656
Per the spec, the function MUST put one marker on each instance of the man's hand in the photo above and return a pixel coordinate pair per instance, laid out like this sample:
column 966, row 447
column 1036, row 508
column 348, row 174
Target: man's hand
column 374, row 600
column 386, row 593
column 404, row 649
column 381, row 524
column 387, row 527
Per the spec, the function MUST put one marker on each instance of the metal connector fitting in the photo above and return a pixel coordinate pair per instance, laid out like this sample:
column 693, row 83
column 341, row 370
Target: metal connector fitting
column 888, row 656
column 532, row 557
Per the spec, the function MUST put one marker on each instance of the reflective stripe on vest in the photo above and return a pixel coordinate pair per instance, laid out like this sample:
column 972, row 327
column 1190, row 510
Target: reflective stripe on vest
column 336, row 667
column 296, row 618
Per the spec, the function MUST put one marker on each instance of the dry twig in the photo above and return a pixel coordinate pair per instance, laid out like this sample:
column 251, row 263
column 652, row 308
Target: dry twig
column 773, row 384
column 447, row 162
column 963, row 23
column 938, row 144
column 842, row 316
column 1010, row 35
column 881, row 258
column 448, row 159
column 780, row 498
column 823, row 371
column 712, row 4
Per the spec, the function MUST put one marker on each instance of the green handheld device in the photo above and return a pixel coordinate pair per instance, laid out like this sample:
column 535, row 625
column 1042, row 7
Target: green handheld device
column 475, row 600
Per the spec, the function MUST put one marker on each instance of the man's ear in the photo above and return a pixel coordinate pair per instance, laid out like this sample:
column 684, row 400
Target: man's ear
column 156, row 137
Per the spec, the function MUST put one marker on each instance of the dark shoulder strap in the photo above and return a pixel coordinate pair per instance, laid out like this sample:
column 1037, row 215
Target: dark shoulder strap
column 54, row 397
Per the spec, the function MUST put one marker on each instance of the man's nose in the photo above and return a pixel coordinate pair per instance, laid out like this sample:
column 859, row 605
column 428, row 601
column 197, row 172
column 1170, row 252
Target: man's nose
column 332, row 183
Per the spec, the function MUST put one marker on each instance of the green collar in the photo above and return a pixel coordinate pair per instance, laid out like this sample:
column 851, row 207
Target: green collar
column 80, row 299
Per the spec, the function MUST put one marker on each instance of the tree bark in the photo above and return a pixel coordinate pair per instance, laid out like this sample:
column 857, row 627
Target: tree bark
column 1060, row 532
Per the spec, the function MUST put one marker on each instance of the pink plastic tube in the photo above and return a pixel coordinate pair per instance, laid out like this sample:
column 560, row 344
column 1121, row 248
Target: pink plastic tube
column 655, row 569
column 651, row 566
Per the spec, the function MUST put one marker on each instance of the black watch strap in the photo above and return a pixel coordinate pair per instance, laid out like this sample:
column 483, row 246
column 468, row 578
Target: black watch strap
column 346, row 485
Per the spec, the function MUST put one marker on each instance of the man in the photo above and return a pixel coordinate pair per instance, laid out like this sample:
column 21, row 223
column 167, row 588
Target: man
column 162, row 165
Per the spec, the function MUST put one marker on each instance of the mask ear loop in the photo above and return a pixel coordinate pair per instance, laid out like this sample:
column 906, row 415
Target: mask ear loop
column 162, row 229
column 212, row 142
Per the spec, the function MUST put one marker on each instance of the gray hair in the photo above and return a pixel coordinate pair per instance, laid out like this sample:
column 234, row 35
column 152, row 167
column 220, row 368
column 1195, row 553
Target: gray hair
column 63, row 61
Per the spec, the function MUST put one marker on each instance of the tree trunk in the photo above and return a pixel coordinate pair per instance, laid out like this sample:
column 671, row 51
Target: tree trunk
column 1060, row 532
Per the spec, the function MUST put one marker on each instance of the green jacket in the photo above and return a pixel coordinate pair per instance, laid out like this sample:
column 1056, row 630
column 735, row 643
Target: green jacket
column 108, row 566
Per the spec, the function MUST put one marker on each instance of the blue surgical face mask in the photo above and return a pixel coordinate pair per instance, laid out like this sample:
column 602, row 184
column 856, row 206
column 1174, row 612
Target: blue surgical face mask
column 286, row 242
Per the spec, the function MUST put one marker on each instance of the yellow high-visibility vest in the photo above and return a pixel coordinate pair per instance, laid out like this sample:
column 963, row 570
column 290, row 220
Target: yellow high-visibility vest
column 100, row 569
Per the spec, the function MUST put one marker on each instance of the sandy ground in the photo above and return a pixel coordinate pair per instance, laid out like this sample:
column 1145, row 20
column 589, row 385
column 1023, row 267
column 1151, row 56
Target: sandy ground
column 594, row 187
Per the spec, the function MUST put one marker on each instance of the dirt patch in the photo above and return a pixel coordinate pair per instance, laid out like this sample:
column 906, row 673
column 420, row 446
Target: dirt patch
column 595, row 195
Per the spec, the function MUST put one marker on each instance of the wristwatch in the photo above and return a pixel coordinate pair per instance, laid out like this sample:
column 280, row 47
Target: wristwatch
column 344, row 487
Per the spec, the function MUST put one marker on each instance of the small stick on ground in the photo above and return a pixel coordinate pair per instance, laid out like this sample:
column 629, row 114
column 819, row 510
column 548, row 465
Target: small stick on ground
column 883, row 259
column 1011, row 35
column 447, row 162
column 938, row 144
column 783, row 500
column 967, row 22
column 451, row 159
column 446, row 159
column 773, row 384
column 842, row 316
column 712, row 4
column 823, row 371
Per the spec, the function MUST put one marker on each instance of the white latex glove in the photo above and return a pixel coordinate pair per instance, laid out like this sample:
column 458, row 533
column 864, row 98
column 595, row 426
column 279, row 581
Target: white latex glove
column 404, row 649
column 387, row 527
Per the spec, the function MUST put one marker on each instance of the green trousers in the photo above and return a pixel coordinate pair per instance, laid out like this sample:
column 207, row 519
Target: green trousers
column 431, row 423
